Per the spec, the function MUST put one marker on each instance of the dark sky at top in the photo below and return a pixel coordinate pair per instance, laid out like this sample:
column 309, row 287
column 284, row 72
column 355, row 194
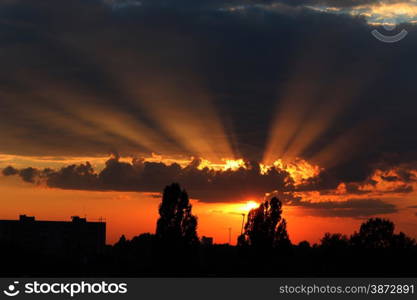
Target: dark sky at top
column 77, row 76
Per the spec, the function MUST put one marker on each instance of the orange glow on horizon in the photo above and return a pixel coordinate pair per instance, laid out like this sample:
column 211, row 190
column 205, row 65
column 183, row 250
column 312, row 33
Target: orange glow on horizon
column 250, row 205
column 132, row 213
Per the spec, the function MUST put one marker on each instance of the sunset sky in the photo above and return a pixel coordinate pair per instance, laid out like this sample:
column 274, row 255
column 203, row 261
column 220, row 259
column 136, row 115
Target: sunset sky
column 105, row 102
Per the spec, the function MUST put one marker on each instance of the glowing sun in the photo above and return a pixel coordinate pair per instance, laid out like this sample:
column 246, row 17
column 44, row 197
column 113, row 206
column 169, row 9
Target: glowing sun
column 250, row 205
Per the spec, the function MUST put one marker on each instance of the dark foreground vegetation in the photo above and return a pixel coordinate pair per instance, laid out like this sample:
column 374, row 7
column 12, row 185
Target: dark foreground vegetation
column 263, row 250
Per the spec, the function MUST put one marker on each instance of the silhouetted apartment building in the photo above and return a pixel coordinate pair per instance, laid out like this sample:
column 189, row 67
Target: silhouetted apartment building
column 54, row 237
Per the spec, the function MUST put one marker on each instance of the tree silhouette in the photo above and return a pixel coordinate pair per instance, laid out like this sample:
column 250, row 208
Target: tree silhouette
column 282, row 239
column 176, row 224
column 304, row 245
column 265, row 227
column 334, row 241
column 402, row 241
column 122, row 242
column 379, row 233
column 374, row 233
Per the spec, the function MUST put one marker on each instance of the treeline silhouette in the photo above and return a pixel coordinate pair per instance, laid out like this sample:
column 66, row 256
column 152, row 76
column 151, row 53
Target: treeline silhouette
column 263, row 250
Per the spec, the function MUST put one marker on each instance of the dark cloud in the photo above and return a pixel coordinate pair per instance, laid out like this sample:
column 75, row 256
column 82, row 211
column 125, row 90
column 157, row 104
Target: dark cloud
column 209, row 185
column 402, row 174
column 333, row 3
column 361, row 188
column 29, row 174
column 77, row 177
column 394, row 169
column 403, row 189
column 206, row 185
column 354, row 208
column 8, row 171
column 72, row 74
column 324, row 181
column 350, row 208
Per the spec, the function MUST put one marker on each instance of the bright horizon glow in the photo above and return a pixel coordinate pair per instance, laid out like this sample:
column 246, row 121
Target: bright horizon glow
column 250, row 205
column 132, row 213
